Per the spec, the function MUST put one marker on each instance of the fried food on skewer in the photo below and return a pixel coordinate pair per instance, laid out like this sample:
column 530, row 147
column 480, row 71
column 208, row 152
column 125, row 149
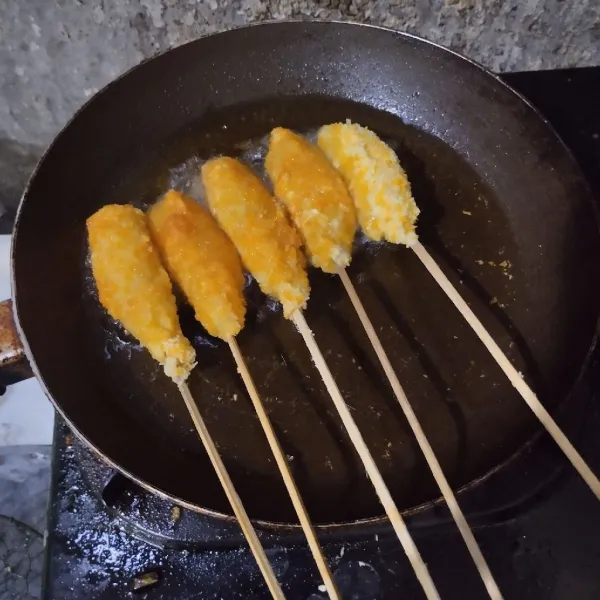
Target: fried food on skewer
column 202, row 261
column 206, row 266
column 134, row 287
column 269, row 246
column 386, row 209
column 252, row 217
column 378, row 184
column 316, row 197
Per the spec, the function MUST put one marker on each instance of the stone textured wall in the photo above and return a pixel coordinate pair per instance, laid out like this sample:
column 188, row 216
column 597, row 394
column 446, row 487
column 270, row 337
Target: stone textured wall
column 56, row 53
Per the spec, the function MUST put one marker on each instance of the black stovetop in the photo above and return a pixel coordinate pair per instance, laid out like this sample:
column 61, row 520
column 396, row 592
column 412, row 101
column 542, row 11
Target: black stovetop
column 537, row 523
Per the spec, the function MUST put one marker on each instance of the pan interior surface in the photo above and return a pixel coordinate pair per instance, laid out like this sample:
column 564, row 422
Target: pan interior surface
column 503, row 209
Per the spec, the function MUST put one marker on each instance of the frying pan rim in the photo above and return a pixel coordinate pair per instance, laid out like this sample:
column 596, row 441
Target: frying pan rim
column 275, row 525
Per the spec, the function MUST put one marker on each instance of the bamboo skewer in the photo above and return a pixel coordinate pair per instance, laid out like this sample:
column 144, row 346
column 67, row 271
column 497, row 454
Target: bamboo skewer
column 432, row 461
column 509, row 370
column 235, row 501
column 285, row 471
column 383, row 493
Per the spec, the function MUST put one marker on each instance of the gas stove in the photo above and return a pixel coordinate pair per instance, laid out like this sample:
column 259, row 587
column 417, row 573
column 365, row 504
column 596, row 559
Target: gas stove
column 536, row 522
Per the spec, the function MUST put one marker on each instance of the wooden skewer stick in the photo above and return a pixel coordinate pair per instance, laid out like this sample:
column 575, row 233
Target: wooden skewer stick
column 513, row 375
column 285, row 471
column 385, row 497
column 235, row 501
column 423, row 442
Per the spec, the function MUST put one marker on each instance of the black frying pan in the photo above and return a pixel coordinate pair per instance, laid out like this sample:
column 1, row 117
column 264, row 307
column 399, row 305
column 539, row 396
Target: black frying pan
column 504, row 210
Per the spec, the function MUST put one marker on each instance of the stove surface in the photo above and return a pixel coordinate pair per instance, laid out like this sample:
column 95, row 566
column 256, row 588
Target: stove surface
column 536, row 522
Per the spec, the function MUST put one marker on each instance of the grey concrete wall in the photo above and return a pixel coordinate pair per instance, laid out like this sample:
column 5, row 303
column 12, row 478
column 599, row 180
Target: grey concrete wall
column 56, row 53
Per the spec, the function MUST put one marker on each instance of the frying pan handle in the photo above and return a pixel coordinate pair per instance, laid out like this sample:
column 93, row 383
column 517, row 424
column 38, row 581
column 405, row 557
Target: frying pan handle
column 14, row 366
